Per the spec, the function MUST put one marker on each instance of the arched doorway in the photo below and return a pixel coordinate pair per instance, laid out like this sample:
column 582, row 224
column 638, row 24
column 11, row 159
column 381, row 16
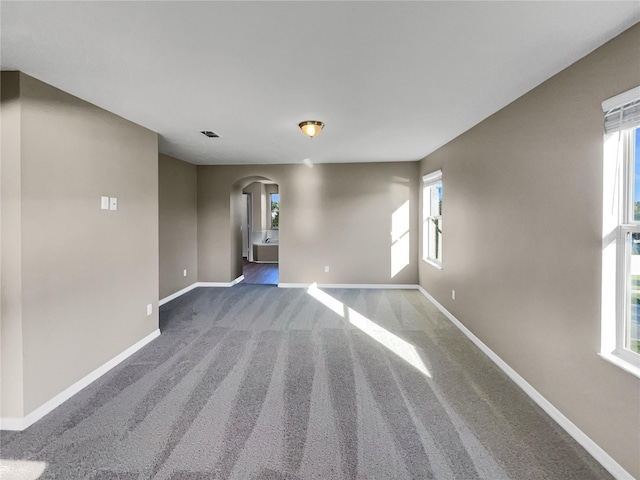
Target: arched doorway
column 255, row 204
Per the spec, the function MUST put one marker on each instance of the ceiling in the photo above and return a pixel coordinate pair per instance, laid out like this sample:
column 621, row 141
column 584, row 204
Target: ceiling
column 392, row 81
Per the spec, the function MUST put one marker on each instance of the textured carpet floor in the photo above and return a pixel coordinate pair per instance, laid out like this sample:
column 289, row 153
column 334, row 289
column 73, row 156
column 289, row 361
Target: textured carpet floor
column 257, row 382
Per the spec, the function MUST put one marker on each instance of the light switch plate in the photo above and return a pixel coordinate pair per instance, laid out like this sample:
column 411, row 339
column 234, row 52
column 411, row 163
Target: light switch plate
column 149, row 309
column 104, row 203
column 113, row 203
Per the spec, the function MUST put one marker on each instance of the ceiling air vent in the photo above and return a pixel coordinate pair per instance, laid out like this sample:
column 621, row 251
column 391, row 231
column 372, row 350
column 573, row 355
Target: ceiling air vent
column 210, row 134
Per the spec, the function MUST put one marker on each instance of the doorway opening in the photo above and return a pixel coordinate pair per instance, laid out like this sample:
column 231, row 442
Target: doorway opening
column 260, row 225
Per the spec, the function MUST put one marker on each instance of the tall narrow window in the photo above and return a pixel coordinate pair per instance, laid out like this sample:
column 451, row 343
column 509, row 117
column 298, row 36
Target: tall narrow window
column 275, row 211
column 628, row 334
column 621, row 231
column 432, row 218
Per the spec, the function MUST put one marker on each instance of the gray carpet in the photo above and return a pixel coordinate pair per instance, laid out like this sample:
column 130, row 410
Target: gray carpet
column 257, row 382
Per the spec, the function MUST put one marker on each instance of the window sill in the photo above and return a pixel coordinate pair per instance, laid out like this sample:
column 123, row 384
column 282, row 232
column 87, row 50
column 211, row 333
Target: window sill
column 621, row 363
column 432, row 263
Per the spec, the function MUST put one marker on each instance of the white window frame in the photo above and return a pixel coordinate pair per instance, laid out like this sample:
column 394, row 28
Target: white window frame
column 618, row 224
column 428, row 182
column 622, row 296
column 270, row 211
column 627, row 226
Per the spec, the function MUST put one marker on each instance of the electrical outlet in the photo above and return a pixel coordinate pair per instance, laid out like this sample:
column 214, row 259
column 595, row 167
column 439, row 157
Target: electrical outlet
column 149, row 309
column 184, row 272
column 326, row 269
column 453, row 294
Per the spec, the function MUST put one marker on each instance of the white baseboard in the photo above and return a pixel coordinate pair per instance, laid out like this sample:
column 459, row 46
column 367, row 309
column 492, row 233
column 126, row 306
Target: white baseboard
column 21, row 423
column 571, row 428
column 220, row 284
column 173, row 296
column 387, row 286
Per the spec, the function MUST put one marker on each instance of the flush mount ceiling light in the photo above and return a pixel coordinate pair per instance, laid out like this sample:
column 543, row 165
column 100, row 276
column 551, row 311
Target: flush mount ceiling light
column 311, row 128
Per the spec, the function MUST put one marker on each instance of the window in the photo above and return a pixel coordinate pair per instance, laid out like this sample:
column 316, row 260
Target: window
column 621, row 231
column 275, row 211
column 432, row 218
column 629, row 274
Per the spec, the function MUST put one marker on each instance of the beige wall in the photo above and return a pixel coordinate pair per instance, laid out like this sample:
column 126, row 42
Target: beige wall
column 87, row 274
column 338, row 215
column 236, row 206
column 522, row 200
column 11, row 370
column 178, row 224
column 256, row 189
column 260, row 204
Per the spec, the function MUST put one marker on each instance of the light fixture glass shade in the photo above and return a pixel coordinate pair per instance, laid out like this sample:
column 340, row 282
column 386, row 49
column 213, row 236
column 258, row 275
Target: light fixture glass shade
column 311, row 128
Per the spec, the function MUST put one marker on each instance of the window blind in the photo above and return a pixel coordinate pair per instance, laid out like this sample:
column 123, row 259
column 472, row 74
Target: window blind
column 432, row 178
column 622, row 111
